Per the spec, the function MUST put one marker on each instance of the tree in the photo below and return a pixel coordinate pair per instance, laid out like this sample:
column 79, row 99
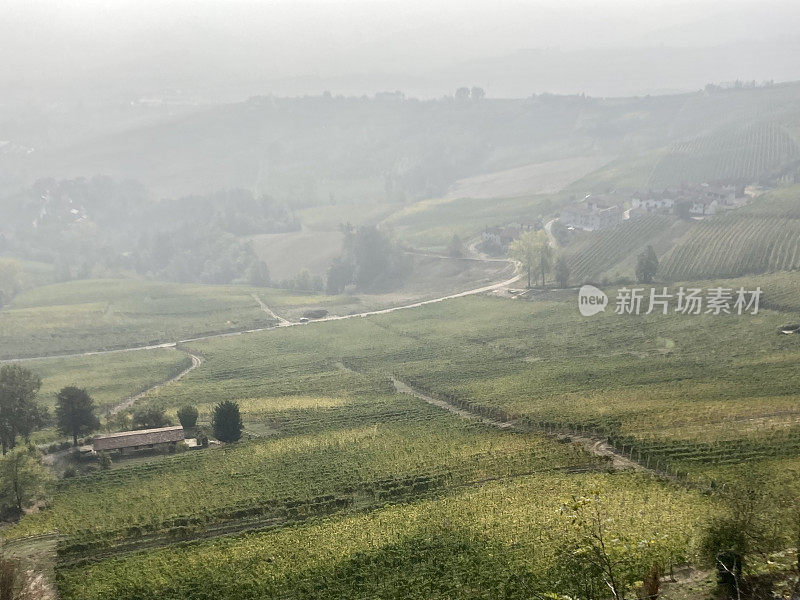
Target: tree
column 227, row 421
column 562, row 272
column 13, row 579
column 533, row 252
column 149, row 417
column 10, row 280
column 75, row 413
column 20, row 415
column 22, row 480
column 187, row 415
column 456, row 247
column 745, row 528
column 647, row 265
column 545, row 258
column 257, row 273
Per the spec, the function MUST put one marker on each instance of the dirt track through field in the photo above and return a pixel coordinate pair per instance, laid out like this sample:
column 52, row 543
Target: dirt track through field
column 591, row 445
column 284, row 323
column 126, row 403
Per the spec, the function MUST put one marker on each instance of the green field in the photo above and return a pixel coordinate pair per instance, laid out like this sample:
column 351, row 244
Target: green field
column 500, row 538
column 103, row 314
column 107, row 377
column 431, row 224
column 379, row 482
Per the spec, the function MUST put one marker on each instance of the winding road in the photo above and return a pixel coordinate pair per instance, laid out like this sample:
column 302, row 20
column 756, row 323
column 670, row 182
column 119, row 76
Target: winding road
column 284, row 323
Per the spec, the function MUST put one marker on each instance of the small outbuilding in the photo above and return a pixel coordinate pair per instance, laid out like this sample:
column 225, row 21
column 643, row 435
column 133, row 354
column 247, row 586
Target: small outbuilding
column 136, row 440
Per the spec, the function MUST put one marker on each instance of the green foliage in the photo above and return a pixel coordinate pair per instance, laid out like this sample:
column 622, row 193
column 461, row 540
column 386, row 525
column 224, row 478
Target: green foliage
column 20, row 414
column 456, row 247
column 226, row 421
column 532, row 250
column 187, row 416
column 22, row 480
column 371, row 262
column 104, row 459
column 75, row 413
column 646, row 265
column 149, row 417
column 562, row 271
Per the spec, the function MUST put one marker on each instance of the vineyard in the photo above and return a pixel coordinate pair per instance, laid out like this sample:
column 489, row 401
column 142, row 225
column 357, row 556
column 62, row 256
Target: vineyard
column 501, row 538
column 761, row 238
column 335, row 459
column 82, row 316
column 611, row 253
column 744, row 154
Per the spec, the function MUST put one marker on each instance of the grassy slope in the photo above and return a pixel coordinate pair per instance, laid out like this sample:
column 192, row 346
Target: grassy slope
column 321, row 395
column 105, row 314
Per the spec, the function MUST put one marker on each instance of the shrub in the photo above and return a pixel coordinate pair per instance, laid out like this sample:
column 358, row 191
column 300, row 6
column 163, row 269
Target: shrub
column 187, row 415
column 105, row 460
column 149, row 417
column 227, row 421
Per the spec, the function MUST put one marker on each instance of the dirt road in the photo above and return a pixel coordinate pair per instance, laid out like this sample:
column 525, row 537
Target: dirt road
column 591, row 445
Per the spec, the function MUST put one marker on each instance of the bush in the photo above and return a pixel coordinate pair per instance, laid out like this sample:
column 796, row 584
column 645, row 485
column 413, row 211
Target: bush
column 149, row 417
column 187, row 415
column 227, row 421
column 70, row 472
column 105, row 460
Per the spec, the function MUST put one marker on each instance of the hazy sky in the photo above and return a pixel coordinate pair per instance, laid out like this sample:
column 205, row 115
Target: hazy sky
column 148, row 46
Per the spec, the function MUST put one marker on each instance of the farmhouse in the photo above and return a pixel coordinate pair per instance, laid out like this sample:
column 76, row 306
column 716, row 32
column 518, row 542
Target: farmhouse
column 596, row 212
column 135, row 440
column 654, row 201
column 703, row 206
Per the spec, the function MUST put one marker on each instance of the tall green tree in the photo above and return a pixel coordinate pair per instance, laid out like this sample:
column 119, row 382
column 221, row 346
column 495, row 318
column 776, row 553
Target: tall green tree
column 532, row 250
column 545, row 258
column 75, row 413
column 187, row 415
column 227, row 421
column 562, row 271
column 647, row 265
column 20, row 415
column 22, row 479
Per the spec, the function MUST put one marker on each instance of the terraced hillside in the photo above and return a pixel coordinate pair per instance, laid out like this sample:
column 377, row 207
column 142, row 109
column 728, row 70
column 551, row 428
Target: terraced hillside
column 736, row 153
column 337, row 460
column 760, row 238
column 611, row 253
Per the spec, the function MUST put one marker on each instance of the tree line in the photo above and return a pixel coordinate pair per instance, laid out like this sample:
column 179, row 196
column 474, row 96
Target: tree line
column 538, row 259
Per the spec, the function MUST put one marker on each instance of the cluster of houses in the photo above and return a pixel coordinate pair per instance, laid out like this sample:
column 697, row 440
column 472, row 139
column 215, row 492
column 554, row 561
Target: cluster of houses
column 605, row 210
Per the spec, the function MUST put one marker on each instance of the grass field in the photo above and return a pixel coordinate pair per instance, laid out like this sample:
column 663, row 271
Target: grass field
column 431, row 224
column 107, row 377
column 84, row 316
